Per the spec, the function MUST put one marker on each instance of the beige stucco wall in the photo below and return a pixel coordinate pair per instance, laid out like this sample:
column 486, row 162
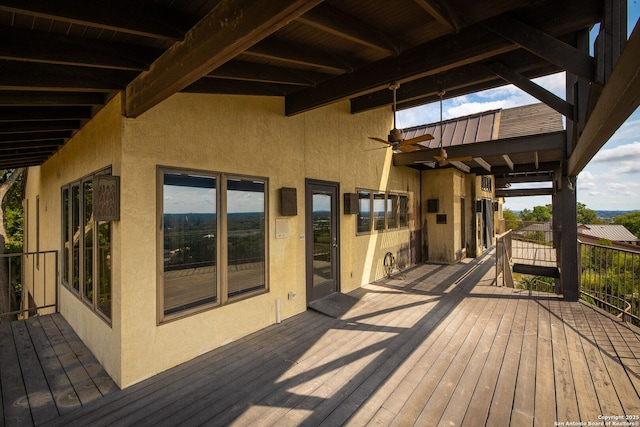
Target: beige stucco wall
column 230, row 134
column 444, row 241
column 94, row 147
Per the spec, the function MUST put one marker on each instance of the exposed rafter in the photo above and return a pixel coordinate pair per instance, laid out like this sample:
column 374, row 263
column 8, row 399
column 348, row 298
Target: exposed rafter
column 471, row 44
column 508, row 161
column 37, row 46
column 119, row 16
column 525, row 192
column 544, row 45
column 209, row 44
column 482, row 162
column 442, row 12
column 334, row 21
column 537, row 91
column 50, row 98
column 295, row 54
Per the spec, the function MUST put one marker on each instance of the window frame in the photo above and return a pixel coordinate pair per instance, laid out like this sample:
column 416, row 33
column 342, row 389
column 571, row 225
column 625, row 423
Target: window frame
column 395, row 198
column 221, row 253
column 68, row 259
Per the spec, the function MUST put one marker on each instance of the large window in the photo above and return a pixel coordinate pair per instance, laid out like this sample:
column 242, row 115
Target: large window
column 213, row 240
column 380, row 211
column 86, row 247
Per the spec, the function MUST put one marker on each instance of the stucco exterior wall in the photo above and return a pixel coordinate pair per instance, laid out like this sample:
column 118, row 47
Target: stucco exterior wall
column 94, row 147
column 444, row 240
column 228, row 134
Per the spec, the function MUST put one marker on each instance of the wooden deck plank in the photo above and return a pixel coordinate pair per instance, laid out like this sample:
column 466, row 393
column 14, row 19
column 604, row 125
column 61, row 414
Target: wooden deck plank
column 94, row 369
column 463, row 371
column 524, row 398
column 117, row 405
column 40, row 398
column 587, row 399
column 478, row 412
column 372, row 367
column 565, row 390
column 449, row 343
column 366, row 402
column 462, row 398
column 14, row 394
column 64, row 395
column 502, row 402
column 210, row 385
column 545, row 387
column 80, row 379
column 605, row 392
column 627, row 394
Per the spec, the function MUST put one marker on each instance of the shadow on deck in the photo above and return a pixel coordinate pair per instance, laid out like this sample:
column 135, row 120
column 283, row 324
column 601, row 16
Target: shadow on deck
column 443, row 345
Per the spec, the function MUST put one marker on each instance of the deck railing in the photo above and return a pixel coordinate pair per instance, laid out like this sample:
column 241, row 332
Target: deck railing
column 533, row 243
column 30, row 284
column 610, row 279
column 504, row 275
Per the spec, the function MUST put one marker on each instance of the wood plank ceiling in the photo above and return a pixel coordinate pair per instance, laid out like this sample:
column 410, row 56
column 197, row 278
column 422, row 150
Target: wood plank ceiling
column 61, row 61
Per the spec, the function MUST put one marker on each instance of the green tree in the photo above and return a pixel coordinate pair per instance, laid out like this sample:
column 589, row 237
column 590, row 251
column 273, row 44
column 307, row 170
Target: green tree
column 586, row 215
column 10, row 230
column 631, row 222
column 512, row 221
column 539, row 214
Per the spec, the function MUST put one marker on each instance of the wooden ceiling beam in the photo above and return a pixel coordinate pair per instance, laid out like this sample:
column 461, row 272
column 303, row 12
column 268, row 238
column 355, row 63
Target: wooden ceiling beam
column 518, row 168
column 47, row 144
column 25, row 114
column 473, row 75
column 619, row 99
column 43, row 126
column 498, row 147
column 295, row 54
column 474, row 43
column 338, row 23
column 544, row 45
column 52, row 48
column 17, row 75
column 483, row 163
column 537, row 91
column 235, row 87
column 34, row 136
column 124, row 17
column 525, row 192
column 501, row 181
column 10, row 97
column 442, row 12
column 226, row 31
column 508, row 161
column 254, row 72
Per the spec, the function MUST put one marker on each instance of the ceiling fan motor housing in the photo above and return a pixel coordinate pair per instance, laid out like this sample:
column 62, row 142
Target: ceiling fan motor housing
column 395, row 135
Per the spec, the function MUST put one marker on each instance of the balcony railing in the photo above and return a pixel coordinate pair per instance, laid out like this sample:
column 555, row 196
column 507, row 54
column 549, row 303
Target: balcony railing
column 610, row 279
column 29, row 284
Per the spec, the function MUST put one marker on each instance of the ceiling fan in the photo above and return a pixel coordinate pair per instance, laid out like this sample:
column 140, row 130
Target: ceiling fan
column 396, row 138
column 442, row 158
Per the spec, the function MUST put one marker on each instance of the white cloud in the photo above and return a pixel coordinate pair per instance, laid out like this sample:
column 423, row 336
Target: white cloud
column 621, row 153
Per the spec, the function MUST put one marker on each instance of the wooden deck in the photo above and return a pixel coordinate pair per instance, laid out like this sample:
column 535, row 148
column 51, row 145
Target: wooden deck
column 441, row 347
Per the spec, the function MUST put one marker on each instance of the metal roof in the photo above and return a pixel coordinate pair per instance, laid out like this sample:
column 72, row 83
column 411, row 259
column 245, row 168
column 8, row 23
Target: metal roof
column 471, row 137
column 613, row 232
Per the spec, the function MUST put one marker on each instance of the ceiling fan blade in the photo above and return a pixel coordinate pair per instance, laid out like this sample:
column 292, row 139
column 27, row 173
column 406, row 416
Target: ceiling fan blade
column 407, row 148
column 384, row 141
column 460, row 159
column 417, row 139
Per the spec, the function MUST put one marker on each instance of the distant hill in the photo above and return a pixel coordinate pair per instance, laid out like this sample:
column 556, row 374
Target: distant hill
column 609, row 216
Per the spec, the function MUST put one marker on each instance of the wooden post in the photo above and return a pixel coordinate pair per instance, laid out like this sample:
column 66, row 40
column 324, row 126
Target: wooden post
column 566, row 197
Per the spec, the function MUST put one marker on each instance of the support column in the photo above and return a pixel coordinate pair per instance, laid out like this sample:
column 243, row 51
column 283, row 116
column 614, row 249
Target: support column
column 568, row 251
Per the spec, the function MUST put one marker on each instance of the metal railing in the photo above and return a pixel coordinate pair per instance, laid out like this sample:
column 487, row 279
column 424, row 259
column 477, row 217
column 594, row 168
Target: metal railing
column 610, row 279
column 533, row 243
column 29, row 282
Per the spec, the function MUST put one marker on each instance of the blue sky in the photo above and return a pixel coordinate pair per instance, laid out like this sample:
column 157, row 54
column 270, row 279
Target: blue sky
column 611, row 180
